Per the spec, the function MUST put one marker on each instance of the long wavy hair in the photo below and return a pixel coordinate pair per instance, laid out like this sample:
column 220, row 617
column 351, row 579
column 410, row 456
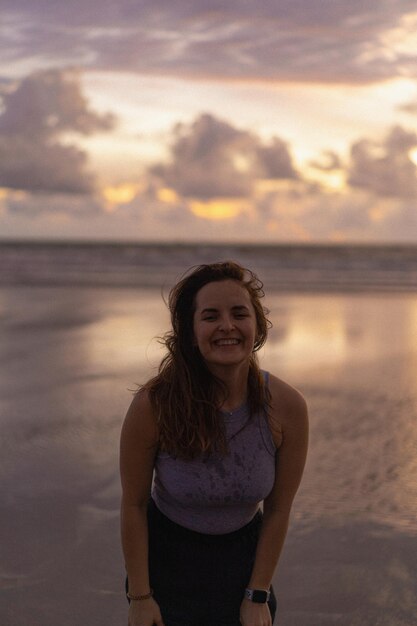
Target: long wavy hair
column 185, row 395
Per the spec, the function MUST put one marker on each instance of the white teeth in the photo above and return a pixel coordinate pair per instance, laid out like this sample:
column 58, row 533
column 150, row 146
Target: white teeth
column 227, row 342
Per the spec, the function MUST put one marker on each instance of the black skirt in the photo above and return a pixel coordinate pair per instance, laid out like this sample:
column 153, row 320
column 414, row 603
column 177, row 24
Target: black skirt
column 200, row 579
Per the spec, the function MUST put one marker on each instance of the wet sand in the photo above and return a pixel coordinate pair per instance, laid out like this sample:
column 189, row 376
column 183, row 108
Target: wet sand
column 68, row 359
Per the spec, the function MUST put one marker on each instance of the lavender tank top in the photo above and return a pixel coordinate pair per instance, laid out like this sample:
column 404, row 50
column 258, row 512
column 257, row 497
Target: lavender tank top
column 217, row 494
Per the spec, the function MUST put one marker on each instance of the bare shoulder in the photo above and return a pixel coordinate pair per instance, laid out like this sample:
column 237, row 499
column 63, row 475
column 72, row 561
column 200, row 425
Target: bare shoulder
column 289, row 408
column 140, row 421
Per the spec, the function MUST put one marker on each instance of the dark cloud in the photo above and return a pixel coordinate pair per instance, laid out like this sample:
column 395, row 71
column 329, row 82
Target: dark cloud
column 36, row 166
column 385, row 168
column 48, row 103
column 303, row 40
column 275, row 160
column 35, row 114
column 210, row 158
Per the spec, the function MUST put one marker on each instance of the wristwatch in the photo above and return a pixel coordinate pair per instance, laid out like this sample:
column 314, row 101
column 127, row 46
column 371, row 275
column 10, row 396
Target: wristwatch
column 260, row 596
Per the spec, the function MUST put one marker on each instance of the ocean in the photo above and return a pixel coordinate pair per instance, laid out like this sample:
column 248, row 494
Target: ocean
column 289, row 267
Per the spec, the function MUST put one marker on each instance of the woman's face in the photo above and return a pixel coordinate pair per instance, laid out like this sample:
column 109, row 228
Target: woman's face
column 224, row 324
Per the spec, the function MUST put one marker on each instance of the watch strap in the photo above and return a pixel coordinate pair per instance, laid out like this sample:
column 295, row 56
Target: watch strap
column 259, row 596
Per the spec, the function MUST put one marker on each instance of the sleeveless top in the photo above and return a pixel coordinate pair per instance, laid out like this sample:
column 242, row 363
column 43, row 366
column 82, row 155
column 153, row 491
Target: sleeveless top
column 215, row 494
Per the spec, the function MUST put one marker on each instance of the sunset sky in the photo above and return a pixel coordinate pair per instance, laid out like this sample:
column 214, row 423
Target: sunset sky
column 286, row 120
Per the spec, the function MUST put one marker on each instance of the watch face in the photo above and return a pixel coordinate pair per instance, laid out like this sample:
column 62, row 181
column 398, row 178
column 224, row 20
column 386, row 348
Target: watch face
column 259, row 596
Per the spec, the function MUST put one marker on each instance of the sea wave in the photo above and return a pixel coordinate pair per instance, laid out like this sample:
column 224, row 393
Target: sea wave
column 289, row 267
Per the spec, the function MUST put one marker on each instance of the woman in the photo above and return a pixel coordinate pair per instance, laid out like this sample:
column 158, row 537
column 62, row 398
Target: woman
column 219, row 437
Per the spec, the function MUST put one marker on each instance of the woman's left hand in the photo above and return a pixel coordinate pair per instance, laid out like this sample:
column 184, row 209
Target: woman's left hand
column 254, row 614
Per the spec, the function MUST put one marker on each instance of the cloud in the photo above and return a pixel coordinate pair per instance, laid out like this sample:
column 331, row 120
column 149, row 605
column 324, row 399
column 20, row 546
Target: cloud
column 57, row 206
column 409, row 107
column 36, row 113
column 298, row 212
column 401, row 223
column 275, row 160
column 329, row 163
column 385, row 168
column 211, row 158
column 37, row 166
column 47, row 103
column 298, row 40
column 357, row 216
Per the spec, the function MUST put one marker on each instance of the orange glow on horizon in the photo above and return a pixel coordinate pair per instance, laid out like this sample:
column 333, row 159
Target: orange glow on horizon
column 120, row 194
column 218, row 209
column 167, row 195
column 8, row 192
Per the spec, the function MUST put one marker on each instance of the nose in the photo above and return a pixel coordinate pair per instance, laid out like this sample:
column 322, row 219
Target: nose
column 226, row 324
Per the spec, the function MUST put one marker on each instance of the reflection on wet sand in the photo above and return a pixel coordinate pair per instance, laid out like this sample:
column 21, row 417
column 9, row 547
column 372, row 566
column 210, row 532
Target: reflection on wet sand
column 324, row 330
column 355, row 359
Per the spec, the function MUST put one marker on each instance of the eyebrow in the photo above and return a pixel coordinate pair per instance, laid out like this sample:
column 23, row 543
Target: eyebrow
column 237, row 307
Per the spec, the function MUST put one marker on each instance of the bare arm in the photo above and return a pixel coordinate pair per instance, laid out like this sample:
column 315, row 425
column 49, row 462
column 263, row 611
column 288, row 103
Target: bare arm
column 289, row 421
column 138, row 446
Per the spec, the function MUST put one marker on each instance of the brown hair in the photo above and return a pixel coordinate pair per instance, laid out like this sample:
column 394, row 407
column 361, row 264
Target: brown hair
column 185, row 395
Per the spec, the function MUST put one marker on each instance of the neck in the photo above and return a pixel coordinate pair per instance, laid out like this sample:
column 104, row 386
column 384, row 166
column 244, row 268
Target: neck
column 236, row 383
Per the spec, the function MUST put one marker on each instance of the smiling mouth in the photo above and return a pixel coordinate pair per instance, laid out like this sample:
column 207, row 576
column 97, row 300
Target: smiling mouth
column 227, row 342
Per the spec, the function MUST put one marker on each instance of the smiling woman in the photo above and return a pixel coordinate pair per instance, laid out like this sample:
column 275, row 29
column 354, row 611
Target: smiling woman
column 224, row 325
column 207, row 428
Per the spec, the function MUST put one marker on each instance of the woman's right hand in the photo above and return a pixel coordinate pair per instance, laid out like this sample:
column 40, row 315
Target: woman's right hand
column 144, row 613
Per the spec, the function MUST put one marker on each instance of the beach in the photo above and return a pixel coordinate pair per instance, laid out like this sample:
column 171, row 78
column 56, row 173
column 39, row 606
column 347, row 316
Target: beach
column 71, row 358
